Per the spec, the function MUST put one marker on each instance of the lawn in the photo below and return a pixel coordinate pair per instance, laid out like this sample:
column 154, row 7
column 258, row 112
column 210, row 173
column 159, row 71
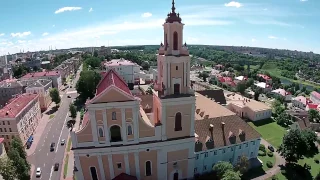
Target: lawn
column 265, row 159
column 51, row 116
column 252, row 67
column 270, row 131
column 315, row 168
column 69, row 145
column 65, row 168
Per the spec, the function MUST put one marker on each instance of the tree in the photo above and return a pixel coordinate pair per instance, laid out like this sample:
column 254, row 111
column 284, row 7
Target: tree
column 283, row 119
column 73, row 111
column 314, row 115
column 222, row 167
column 310, row 139
column 249, row 82
column 149, row 90
column 277, row 107
column 243, row 165
column 145, row 65
column 230, row 174
column 318, row 176
column 86, row 85
column 93, row 62
column 55, row 96
column 19, row 71
column 293, row 146
column 35, row 68
column 7, row 170
column 17, row 144
column 241, row 87
column 95, row 53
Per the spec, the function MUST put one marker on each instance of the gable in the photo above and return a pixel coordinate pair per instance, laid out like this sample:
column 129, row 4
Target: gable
column 112, row 95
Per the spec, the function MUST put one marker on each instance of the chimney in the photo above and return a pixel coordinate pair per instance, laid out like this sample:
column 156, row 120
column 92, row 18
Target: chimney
column 202, row 113
column 197, row 111
column 206, row 117
column 222, row 125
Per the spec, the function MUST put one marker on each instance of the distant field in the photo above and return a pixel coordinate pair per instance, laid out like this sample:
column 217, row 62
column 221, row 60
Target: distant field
column 252, row 67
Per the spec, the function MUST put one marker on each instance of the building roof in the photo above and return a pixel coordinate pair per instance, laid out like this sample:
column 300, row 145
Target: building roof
column 1, row 140
column 36, row 83
column 312, row 106
column 43, row 73
column 111, row 78
column 207, row 108
column 265, row 77
column 146, row 101
column 262, row 85
column 16, row 105
column 241, row 78
column 301, row 99
column 225, row 79
column 222, row 131
column 301, row 117
column 282, row 92
column 242, row 102
column 119, row 62
column 315, row 94
column 216, row 95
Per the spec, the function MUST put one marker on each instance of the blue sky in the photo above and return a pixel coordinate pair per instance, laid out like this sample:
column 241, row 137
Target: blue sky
column 285, row 24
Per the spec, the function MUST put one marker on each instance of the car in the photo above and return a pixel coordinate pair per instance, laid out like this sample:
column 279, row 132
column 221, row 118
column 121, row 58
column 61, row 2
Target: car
column 69, row 96
column 63, row 141
column 271, row 148
column 52, row 146
column 56, row 167
column 38, row 172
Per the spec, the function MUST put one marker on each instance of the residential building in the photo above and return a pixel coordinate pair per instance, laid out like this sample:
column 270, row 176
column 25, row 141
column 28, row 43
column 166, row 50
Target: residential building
column 315, row 97
column 68, row 67
column 104, row 51
column 301, row 102
column 312, row 106
column 216, row 95
column 219, row 67
column 300, row 119
column 19, row 118
column 54, row 76
column 8, row 89
column 227, row 81
column 240, row 79
column 264, row 86
column 125, row 68
column 29, row 63
column 265, row 78
column 248, row 108
column 123, row 136
column 41, row 87
column 282, row 93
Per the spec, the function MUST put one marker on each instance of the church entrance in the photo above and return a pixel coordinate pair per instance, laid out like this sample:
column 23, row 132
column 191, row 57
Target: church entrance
column 176, row 88
column 176, row 176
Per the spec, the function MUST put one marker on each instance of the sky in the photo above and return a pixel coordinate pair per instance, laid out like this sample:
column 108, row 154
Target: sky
column 39, row 24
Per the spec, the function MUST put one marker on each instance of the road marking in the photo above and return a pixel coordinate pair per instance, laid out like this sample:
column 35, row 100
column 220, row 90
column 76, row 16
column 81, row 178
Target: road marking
column 44, row 165
column 47, row 154
column 61, row 132
column 51, row 173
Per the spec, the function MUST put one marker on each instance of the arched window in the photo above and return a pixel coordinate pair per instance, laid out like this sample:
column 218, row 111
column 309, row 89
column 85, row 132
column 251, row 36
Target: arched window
column 177, row 122
column 94, row 175
column 114, row 116
column 148, row 168
column 175, row 40
column 115, row 133
column 101, row 134
column 129, row 129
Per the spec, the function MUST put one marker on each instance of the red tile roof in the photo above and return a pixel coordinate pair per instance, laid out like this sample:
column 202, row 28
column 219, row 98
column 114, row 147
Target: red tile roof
column 265, row 77
column 16, row 105
column 315, row 94
column 40, row 74
column 111, row 78
column 1, row 140
column 312, row 106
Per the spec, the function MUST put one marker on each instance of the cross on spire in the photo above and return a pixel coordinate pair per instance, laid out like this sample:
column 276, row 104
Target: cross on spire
column 173, row 8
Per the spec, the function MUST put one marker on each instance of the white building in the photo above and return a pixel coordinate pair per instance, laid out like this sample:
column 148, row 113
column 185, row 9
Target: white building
column 283, row 93
column 125, row 68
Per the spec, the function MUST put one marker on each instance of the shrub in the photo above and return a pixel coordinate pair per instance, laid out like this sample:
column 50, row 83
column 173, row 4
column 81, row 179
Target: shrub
column 283, row 171
column 274, row 177
column 269, row 164
column 262, row 148
column 270, row 154
column 316, row 161
column 261, row 153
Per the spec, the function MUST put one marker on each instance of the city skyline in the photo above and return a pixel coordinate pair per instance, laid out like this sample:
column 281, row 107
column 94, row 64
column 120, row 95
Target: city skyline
column 288, row 24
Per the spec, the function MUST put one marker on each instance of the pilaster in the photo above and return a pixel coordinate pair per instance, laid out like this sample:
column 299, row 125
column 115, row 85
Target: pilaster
column 106, row 129
column 79, row 173
column 162, row 164
column 126, row 163
column 110, row 166
column 193, row 109
column 124, row 127
column 135, row 111
column 92, row 115
column 137, row 164
column 184, row 75
column 191, row 162
column 101, row 169
column 163, row 122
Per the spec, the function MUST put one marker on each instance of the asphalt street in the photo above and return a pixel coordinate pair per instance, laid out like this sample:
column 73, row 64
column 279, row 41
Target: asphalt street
column 54, row 132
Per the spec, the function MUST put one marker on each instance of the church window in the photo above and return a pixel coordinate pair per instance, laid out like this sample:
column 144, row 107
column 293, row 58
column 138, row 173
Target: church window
column 148, row 168
column 176, row 67
column 115, row 133
column 175, row 40
column 177, row 124
column 114, row 116
column 101, row 134
column 129, row 129
column 94, row 175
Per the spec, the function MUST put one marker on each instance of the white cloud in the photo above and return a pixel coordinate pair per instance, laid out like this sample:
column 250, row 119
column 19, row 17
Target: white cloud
column 2, row 34
column 272, row 37
column 21, row 42
column 233, row 4
column 285, row 39
column 61, row 10
column 53, row 25
column 267, row 22
column 23, row 34
column 303, row 0
column 45, row 34
column 253, row 40
column 90, row 10
column 265, row 9
column 146, row 15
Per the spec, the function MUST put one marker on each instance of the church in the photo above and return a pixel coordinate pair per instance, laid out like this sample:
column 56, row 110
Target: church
column 175, row 133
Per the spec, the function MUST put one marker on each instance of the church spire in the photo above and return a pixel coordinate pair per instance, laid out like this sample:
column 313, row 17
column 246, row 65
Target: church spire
column 173, row 8
column 173, row 16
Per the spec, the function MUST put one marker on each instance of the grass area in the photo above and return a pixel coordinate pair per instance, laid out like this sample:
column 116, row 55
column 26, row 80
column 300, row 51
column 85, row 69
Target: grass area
column 270, row 131
column 69, row 145
column 265, row 159
column 315, row 168
column 65, row 168
column 272, row 69
column 51, row 116
column 252, row 67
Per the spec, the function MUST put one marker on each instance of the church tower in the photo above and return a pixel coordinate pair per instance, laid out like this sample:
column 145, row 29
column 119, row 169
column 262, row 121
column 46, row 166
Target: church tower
column 174, row 99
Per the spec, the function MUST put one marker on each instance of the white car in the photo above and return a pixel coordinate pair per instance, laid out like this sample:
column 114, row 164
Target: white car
column 63, row 141
column 38, row 173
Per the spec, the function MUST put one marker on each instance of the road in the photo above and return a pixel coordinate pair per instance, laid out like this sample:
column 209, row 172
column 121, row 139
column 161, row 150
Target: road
column 54, row 131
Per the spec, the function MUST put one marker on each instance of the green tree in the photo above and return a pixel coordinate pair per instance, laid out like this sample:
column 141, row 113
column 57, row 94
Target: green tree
column 55, row 96
column 145, row 65
column 293, row 147
column 222, row 167
column 318, row 176
column 73, row 111
column 241, row 87
column 93, row 62
column 243, row 165
column 7, row 170
column 86, row 85
column 231, row 175
column 95, row 53
column 310, row 139
column 249, row 82
column 314, row 115
column 283, row 119
column 277, row 108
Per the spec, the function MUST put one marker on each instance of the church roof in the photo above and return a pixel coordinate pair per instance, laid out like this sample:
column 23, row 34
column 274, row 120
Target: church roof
column 173, row 16
column 111, row 78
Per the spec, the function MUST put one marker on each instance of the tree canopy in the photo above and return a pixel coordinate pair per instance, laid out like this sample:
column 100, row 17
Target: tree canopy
column 86, row 85
column 231, row 175
column 73, row 111
column 55, row 95
column 7, row 170
column 222, row 167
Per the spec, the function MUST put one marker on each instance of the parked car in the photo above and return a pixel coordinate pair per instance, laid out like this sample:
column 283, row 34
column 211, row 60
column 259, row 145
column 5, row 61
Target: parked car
column 271, row 148
column 56, row 166
column 38, row 172
column 63, row 141
column 52, row 146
